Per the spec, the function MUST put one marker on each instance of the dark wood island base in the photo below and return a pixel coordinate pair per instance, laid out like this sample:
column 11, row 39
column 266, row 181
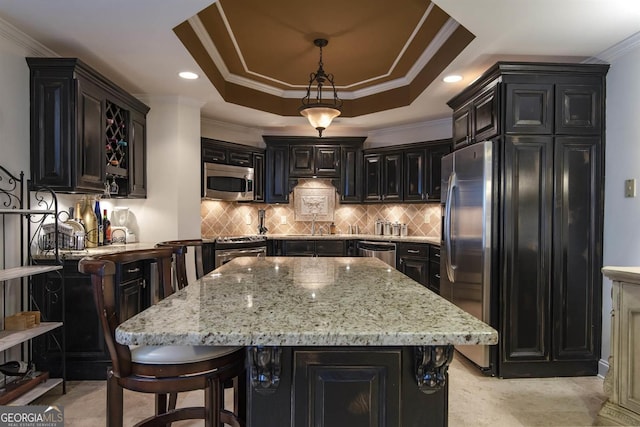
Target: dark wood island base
column 348, row 386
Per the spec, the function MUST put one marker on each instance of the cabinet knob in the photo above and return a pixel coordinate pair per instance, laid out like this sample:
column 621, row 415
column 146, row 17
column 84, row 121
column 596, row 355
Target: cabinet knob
column 144, row 283
column 437, row 276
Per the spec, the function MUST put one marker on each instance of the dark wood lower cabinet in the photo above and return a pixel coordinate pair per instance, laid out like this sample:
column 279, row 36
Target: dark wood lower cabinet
column 87, row 357
column 347, row 387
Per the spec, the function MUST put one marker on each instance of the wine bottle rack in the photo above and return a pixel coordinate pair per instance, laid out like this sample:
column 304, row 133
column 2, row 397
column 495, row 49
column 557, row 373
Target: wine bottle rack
column 116, row 140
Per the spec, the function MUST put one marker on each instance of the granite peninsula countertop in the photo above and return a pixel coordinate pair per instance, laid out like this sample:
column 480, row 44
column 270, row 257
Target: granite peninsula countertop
column 305, row 301
column 72, row 254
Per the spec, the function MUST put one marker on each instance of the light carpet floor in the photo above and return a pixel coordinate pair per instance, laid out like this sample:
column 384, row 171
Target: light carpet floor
column 474, row 400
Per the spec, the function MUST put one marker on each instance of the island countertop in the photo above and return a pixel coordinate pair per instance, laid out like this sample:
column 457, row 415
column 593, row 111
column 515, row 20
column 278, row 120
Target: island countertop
column 300, row 301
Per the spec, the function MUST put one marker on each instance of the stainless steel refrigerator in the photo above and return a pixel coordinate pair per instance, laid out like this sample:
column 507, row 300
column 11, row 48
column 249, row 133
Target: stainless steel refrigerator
column 466, row 251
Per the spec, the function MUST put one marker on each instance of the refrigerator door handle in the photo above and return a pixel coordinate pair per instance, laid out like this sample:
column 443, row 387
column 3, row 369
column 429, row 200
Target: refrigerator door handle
column 450, row 268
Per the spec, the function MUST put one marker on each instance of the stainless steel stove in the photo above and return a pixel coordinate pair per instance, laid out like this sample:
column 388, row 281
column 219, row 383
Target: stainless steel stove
column 228, row 248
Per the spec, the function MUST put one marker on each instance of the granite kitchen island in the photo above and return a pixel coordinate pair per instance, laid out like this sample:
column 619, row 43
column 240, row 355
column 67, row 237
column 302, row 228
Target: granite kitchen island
column 332, row 341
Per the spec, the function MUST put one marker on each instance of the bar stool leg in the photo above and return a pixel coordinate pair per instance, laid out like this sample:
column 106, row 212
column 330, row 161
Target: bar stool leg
column 114, row 401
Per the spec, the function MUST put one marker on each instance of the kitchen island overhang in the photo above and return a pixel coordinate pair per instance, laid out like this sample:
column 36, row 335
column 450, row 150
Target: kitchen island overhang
column 316, row 326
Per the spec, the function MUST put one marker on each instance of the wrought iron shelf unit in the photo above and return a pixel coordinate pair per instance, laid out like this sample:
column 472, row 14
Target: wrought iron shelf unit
column 23, row 212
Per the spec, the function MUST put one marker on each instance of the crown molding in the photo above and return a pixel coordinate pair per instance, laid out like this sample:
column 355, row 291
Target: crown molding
column 617, row 50
column 28, row 43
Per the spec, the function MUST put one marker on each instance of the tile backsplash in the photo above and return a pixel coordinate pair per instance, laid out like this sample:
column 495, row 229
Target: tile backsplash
column 220, row 218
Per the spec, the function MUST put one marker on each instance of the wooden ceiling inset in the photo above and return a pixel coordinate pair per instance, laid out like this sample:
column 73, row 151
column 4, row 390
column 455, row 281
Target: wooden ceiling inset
column 383, row 54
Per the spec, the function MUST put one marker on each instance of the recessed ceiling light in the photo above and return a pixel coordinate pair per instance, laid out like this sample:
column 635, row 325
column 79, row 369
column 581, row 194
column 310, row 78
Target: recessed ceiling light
column 188, row 75
column 452, row 78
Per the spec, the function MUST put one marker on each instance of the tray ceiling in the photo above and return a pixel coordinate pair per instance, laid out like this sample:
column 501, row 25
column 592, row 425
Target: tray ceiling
column 382, row 54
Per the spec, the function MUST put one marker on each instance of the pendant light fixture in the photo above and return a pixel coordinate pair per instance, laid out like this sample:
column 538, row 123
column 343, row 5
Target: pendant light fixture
column 320, row 113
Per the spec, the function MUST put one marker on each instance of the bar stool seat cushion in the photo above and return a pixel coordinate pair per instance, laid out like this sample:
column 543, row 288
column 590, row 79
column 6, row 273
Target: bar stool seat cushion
column 177, row 354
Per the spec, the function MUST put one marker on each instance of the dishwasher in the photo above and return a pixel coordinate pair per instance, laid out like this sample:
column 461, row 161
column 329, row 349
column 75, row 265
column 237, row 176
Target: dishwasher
column 381, row 250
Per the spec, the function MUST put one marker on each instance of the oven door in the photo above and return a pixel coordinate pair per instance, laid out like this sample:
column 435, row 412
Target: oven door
column 226, row 182
column 223, row 256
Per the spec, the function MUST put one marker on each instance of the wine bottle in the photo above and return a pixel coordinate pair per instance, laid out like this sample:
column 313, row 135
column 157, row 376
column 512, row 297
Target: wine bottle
column 106, row 228
column 90, row 225
column 98, row 213
column 14, row 368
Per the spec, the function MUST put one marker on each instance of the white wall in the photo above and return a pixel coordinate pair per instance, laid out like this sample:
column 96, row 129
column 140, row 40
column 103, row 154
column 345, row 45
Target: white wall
column 172, row 207
column 621, row 244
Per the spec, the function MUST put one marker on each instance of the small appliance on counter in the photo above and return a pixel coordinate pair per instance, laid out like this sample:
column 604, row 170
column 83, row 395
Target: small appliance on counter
column 120, row 232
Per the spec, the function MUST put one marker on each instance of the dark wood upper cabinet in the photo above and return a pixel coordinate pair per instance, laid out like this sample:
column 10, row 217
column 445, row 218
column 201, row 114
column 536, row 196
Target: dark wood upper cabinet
column 307, row 161
column 383, row 176
column 336, row 158
column 76, row 142
column 477, row 119
column 422, row 170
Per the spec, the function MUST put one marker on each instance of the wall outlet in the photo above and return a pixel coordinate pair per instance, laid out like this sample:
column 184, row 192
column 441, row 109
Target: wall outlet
column 630, row 188
column 283, row 219
column 247, row 219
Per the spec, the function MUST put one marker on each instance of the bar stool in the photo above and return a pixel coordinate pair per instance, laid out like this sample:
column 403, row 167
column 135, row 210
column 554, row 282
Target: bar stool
column 180, row 248
column 180, row 260
column 161, row 370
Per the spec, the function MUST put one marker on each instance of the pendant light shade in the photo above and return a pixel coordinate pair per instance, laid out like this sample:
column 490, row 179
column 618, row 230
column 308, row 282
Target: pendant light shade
column 320, row 112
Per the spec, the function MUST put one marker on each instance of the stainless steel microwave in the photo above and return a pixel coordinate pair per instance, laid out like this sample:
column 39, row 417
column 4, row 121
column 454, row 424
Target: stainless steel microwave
column 227, row 182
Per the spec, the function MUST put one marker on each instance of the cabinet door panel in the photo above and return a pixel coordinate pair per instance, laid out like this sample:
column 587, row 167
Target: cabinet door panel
column 330, row 248
column 240, row 158
column 577, row 259
column 527, row 241
column 91, row 156
column 579, row 109
column 277, row 175
column 629, row 347
column 462, row 126
column 415, row 268
column 434, row 170
column 137, row 161
column 372, row 171
column 392, row 177
column 347, row 388
column 414, row 175
column 301, row 161
column 327, row 161
column 351, row 175
column 258, row 177
column 51, row 140
column 529, row 108
column 485, row 115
